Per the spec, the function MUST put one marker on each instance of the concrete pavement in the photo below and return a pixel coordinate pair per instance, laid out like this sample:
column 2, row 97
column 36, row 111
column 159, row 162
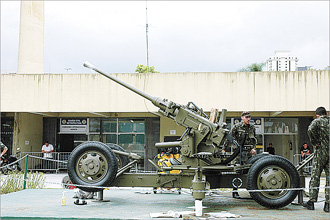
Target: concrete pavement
column 138, row 203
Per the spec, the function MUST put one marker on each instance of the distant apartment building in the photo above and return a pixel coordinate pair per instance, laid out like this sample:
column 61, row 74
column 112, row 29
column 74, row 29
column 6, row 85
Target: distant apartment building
column 282, row 61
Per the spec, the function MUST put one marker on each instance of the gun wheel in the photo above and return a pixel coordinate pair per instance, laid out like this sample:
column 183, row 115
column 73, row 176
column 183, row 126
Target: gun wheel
column 254, row 158
column 277, row 173
column 94, row 164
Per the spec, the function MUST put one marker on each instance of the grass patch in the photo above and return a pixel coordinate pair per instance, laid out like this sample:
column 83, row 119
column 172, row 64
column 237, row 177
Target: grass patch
column 14, row 182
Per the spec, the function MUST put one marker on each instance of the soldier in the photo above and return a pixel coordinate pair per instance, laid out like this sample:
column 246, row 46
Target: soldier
column 239, row 131
column 318, row 132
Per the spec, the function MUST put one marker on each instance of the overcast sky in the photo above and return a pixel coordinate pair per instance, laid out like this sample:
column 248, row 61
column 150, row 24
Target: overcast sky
column 196, row 36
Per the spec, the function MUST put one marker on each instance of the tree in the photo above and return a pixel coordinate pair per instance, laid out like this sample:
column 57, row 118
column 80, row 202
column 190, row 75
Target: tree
column 254, row 67
column 143, row 69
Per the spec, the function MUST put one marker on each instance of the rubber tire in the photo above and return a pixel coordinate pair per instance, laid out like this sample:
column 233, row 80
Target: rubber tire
column 287, row 166
column 19, row 168
column 253, row 159
column 124, row 160
column 110, row 158
column 4, row 170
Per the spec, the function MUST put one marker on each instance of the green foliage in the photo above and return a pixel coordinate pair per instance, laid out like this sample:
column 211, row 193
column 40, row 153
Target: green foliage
column 143, row 69
column 14, row 182
column 254, row 67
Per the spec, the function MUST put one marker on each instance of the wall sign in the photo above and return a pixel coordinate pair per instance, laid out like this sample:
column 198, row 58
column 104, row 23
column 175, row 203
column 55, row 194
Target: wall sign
column 73, row 125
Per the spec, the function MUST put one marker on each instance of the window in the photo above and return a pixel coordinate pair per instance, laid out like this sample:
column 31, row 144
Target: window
column 125, row 127
column 94, row 125
column 128, row 133
column 110, row 138
column 131, row 135
column 110, row 126
column 281, row 125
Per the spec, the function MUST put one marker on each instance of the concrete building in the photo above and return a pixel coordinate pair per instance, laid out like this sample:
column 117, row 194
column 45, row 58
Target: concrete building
column 282, row 61
column 67, row 109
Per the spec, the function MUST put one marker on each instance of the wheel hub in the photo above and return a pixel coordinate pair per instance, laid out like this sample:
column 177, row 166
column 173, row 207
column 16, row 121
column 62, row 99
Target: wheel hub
column 273, row 177
column 273, row 181
column 90, row 165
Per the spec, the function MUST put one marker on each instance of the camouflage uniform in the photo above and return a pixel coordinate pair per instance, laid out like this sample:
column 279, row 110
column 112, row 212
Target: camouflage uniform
column 318, row 132
column 238, row 131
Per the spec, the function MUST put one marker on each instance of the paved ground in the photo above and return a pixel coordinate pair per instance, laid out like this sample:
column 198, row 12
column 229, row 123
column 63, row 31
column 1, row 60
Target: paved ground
column 138, row 203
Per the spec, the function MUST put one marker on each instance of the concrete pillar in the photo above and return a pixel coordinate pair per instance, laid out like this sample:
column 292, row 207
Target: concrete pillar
column 28, row 131
column 31, row 37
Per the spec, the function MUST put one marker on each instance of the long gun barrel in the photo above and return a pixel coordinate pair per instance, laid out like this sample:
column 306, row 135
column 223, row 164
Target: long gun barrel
column 200, row 131
column 155, row 100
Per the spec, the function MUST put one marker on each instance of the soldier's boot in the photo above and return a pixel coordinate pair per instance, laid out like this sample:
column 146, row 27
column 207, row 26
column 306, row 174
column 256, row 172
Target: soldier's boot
column 309, row 205
column 326, row 207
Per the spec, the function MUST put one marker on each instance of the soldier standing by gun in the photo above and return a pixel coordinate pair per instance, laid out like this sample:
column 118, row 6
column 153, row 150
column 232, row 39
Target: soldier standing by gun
column 244, row 131
column 318, row 132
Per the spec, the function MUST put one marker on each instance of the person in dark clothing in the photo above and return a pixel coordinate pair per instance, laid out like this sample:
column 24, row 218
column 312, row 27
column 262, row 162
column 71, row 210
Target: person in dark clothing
column 270, row 149
column 305, row 151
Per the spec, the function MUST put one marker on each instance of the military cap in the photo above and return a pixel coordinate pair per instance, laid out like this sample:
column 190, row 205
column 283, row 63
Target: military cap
column 246, row 114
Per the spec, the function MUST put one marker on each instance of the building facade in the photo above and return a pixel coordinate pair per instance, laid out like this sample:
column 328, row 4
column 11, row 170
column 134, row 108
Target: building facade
column 67, row 109
column 282, row 61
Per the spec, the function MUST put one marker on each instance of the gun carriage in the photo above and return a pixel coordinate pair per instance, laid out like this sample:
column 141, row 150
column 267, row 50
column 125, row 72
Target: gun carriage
column 203, row 164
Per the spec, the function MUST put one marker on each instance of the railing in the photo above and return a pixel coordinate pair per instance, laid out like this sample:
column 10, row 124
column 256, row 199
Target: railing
column 297, row 159
column 54, row 165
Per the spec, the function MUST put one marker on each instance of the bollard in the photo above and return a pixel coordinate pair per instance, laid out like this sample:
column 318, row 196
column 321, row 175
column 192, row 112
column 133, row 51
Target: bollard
column 25, row 170
column 198, row 208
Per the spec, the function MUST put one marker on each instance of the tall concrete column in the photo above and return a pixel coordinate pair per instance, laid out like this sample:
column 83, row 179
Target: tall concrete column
column 28, row 131
column 31, row 37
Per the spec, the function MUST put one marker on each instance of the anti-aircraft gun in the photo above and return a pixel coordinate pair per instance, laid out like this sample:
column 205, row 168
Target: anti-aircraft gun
column 203, row 165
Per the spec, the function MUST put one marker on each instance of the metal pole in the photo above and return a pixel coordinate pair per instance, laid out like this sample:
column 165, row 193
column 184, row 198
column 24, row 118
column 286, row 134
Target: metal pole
column 100, row 195
column 300, row 197
column 147, row 38
column 25, row 171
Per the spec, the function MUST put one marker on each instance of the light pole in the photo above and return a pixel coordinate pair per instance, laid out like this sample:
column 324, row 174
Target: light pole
column 147, row 37
column 67, row 69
